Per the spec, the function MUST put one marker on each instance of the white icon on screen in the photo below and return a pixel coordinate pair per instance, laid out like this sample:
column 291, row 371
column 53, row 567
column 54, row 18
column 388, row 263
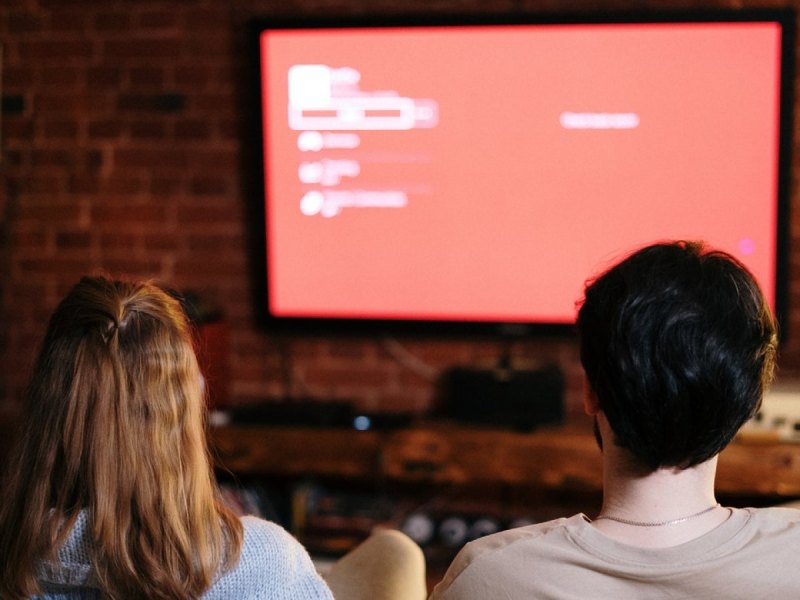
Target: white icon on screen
column 311, row 203
column 323, row 97
column 314, row 141
column 329, row 110
column 327, row 171
column 310, row 172
column 310, row 141
column 330, row 203
column 599, row 120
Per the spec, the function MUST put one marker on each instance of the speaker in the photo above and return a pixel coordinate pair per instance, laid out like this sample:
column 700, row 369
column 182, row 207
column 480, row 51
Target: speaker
column 520, row 399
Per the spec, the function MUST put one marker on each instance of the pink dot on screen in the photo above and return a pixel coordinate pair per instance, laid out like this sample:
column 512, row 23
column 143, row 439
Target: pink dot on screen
column 747, row 246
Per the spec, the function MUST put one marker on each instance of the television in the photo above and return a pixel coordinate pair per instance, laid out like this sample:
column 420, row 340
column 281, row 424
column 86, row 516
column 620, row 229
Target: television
column 469, row 173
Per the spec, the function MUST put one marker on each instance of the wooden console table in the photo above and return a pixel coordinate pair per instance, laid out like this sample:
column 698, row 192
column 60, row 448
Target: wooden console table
column 433, row 453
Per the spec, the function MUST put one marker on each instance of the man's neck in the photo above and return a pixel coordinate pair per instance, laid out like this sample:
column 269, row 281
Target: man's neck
column 664, row 494
column 657, row 498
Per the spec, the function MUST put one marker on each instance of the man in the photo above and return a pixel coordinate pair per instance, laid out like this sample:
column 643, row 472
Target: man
column 678, row 346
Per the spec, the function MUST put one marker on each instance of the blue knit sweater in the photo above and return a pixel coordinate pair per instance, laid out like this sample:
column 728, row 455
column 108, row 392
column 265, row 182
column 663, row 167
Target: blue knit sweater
column 273, row 566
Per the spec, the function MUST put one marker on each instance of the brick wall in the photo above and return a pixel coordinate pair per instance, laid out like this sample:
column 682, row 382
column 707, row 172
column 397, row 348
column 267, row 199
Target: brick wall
column 121, row 153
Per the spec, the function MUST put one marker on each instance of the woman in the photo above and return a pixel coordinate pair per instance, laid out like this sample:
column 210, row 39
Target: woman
column 110, row 493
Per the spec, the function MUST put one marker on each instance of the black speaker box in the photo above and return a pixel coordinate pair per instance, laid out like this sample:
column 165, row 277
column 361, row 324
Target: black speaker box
column 520, row 399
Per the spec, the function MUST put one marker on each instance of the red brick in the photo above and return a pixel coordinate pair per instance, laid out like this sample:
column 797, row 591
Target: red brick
column 157, row 19
column 82, row 183
column 147, row 130
column 103, row 77
column 223, row 159
column 243, row 392
column 129, row 267
column 106, row 128
column 20, row 365
column 209, row 186
column 56, row 50
column 351, row 376
column 350, row 349
column 307, row 354
column 204, row 214
column 59, row 129
column 73, row 103
column 28, row 291
column 119, row 241
column 31, row 240
column 142, row 48
column 212, row 264
column 72, row 21
column 71, row 240
column 146, row 77
column 17, row 128
column 165, row 185
column 194, row 75
column 192, row 129
column 229, row 129
column 418, row 401
column 63, row 267
column 48, row 212
column 202, row 241
column 125, row 185
column 240, row 318
column 112, row 21
column 17, row 4
column 136, row 102
column 247, row 343
column 91, row 159
column 150, row 157
column 17, row 77
column 255, row 370
column 25, row 22
column 52, row 158
column 42, row 183
column 140, row 214
column 222, row 102
column 210, row 46
column 204, row 19
column 160, row 242
column 65, row 78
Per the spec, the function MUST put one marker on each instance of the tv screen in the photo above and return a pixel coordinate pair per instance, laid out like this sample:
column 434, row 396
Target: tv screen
column 476, row 172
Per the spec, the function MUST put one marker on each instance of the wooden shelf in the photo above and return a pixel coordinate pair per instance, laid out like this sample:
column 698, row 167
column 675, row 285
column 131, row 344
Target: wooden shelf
column 296, row 451
column 760, row 468
column 553, row 458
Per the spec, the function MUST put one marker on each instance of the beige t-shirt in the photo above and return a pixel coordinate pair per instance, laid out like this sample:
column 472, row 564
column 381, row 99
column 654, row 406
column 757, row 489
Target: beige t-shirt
column 754, row 554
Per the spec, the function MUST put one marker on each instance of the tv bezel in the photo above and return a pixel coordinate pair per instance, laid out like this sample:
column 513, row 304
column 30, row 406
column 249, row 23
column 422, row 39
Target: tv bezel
column 265, row 320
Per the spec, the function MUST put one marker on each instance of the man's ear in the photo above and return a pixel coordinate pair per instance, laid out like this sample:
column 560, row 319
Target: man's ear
column 591, row 405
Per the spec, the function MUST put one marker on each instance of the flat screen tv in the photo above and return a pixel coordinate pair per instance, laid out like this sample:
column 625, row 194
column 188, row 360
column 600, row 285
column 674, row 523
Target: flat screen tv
column 470, row 173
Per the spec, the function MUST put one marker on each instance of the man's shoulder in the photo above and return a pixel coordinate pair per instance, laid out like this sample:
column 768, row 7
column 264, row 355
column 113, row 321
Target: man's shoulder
column 776, row 519
column 530, row 536
column 487, row 558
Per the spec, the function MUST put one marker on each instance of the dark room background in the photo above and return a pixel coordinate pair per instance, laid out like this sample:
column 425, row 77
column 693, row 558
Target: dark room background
column 122, row 151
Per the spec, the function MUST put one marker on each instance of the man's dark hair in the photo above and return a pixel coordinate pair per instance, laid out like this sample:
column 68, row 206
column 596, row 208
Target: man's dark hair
column 679, row 345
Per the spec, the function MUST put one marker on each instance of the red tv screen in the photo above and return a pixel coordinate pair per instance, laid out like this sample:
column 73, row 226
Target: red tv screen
column 480, row 173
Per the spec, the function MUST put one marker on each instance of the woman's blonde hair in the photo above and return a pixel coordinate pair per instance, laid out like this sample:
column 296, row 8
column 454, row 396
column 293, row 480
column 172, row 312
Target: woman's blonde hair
column 114, row 425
